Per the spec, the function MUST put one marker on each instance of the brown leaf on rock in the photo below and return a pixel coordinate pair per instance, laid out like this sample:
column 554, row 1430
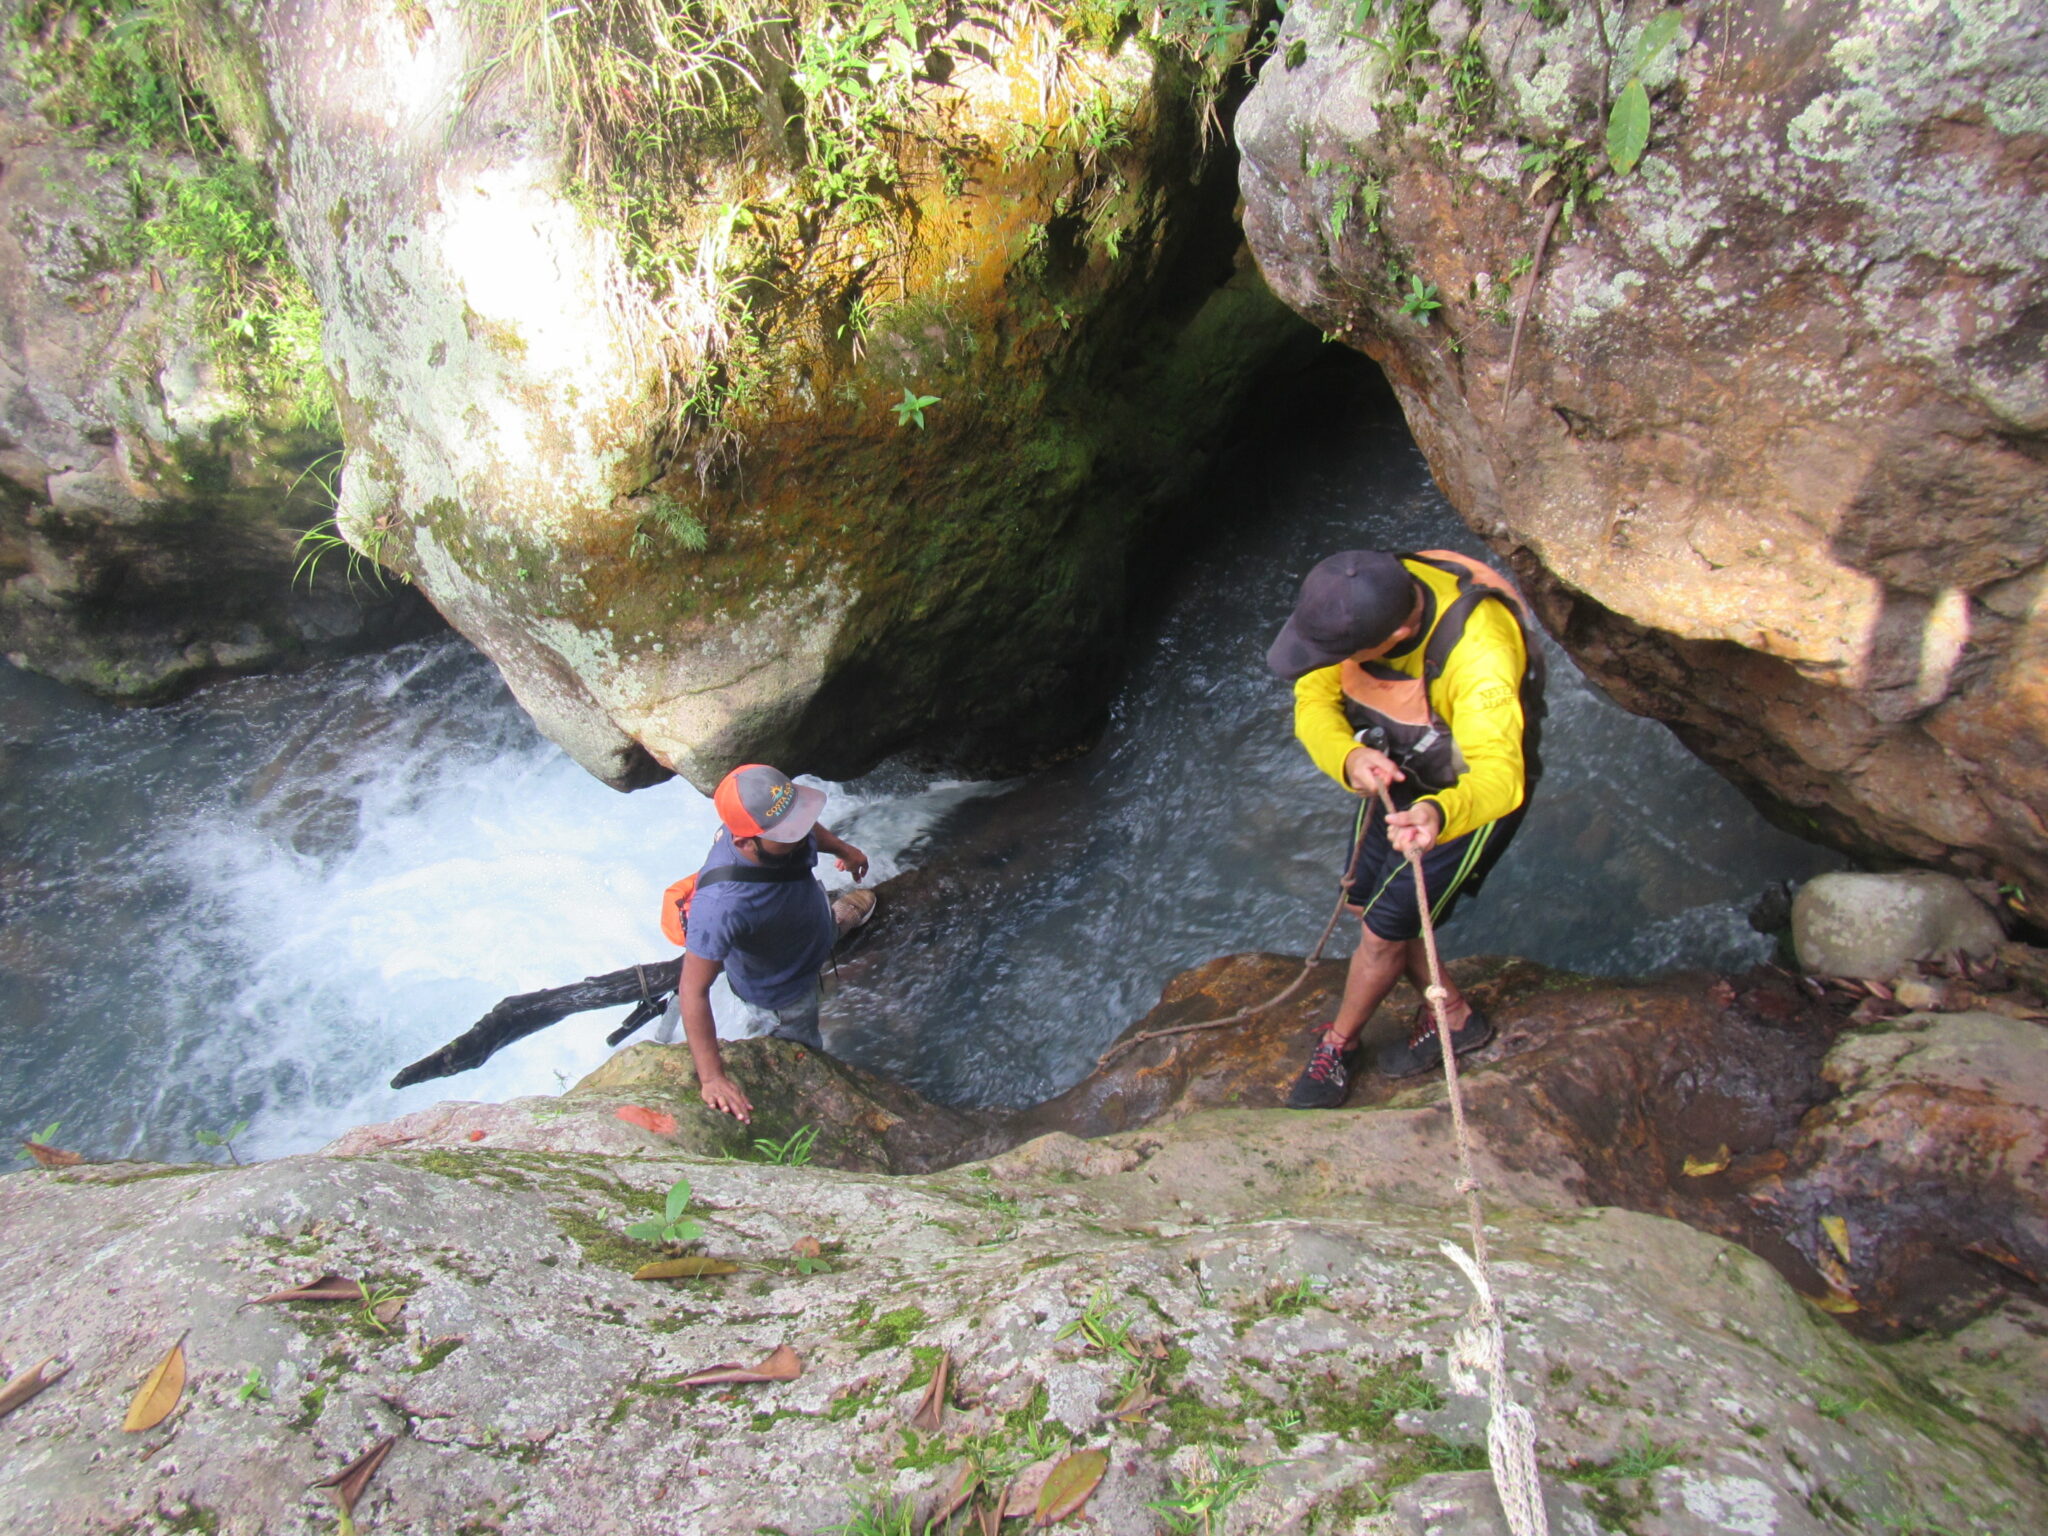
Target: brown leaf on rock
column 781, row 1365
column 159, row 1392
column 948, row 1503
column 326, row 1288
column 1140, row 1401
column 807, row 1248
column 387, row 1312
column 990, row 1516
column 1839, row 1302
column 348, row 1484
column 52, row 1157
column 694, row 1267
column 1025, row 1486
column 1837, row 1231
column 26, row 1385
column 931, row 1408
column 1067, row 1487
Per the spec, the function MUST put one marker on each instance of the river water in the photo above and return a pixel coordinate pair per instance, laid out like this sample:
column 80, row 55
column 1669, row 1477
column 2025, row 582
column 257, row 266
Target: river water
column 258, row 904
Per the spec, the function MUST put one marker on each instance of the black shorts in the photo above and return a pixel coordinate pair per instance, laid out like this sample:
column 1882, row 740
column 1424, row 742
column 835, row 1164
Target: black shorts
column 1383, row 889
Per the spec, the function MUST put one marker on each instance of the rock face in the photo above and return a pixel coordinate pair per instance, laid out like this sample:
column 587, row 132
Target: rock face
column 1875, row 926
column 1772, row 454
column 834, row 439
column 1273, row 1304
column 150, row 499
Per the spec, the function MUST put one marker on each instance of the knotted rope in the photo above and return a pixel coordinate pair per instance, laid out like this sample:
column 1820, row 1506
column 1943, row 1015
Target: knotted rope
column 1481, row 1346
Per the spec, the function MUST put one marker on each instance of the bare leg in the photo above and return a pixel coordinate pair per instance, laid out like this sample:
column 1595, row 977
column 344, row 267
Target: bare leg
column 1376, row 965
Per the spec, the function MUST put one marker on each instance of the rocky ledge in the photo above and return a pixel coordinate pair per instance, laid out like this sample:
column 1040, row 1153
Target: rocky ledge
column 1218, row 1295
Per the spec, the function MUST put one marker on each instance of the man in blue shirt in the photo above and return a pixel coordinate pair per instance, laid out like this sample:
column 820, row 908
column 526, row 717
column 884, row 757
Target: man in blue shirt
column 760, row 917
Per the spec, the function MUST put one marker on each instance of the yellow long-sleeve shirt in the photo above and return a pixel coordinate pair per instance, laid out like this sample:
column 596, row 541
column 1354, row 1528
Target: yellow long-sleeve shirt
column 1478, row 697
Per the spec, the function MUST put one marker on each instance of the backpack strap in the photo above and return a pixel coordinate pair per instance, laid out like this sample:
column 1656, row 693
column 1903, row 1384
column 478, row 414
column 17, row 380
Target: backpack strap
column 754, row 874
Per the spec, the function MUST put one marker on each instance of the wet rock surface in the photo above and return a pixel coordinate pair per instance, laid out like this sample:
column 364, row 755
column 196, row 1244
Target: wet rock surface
column 1286, row 1309
column 1770, row 457
column 149, row 504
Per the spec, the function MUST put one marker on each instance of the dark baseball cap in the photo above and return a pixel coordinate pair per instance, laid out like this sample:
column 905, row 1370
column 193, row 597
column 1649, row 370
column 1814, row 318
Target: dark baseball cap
column 1349, row 602
column 755, row 800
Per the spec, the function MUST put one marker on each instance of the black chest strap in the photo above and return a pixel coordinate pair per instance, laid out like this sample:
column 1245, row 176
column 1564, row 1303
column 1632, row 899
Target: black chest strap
column 754, row 874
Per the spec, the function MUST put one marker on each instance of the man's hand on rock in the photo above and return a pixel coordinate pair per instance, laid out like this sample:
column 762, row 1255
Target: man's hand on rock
column 1369, row 771
column 1415, row 829
column 855, row 862
column 724, row 1095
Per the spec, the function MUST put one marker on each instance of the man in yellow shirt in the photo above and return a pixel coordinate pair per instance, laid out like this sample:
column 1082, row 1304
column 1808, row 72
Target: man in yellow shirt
column 1417, row 674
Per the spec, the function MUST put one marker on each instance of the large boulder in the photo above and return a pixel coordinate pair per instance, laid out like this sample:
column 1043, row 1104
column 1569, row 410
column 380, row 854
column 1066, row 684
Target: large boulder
column 1291, row 1324
column 814, row 420
column 152, row 487
column 1771, row 456
column 1875, row 926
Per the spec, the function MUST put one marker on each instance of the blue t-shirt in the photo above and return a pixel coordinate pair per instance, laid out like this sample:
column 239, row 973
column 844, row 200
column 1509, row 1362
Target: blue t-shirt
column 773, row 937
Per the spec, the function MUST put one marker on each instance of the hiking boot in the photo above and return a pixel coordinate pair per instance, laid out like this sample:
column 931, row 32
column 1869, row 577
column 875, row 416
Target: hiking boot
column 1422, row 1051
column 1324, row 1081
column 852, row 911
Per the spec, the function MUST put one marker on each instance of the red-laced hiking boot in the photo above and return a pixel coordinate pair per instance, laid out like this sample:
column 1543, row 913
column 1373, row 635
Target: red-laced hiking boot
column 1422, row 1051
column 1325, row 1080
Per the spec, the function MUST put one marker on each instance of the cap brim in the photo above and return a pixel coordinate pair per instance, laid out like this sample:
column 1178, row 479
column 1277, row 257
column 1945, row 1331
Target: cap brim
column 810, row 805
column 1293, row 655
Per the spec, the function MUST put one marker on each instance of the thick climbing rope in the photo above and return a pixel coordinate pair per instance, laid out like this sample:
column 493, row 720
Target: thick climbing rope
column 1301, row 979
column 1480, row 1349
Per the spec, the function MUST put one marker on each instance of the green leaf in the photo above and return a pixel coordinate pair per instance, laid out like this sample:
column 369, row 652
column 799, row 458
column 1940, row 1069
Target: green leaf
column 678, row 1198
column 1628, row 128
column 645, row 1231
column 684, row 1231
column 207, row 1138
column 1656, row 37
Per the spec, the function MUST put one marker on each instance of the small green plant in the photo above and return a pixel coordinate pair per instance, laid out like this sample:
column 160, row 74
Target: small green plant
column 885, row 1517
column 792, row 1153
column 911, row 408
column 672, row 1226
column 41, row 1138
column 1829, row 1406
column 679, row 523
column 223, row 1139
column 378, row 1299
column 1193, row 1502
column 1420, row 300
column 253, row 1388
column 1292, row 1300
column 1628, row 120
column 1101, row 1330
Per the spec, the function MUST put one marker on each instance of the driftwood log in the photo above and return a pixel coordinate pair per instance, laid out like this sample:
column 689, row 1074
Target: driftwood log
column 646, row 986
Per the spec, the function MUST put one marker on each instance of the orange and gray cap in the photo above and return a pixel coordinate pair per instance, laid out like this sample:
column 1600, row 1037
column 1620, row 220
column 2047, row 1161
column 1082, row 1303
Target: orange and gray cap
column 755, row 800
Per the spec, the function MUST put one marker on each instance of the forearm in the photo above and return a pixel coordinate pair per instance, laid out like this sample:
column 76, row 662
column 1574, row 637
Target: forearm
column 1319, row 722
column 831, row 842
column 700, row 1030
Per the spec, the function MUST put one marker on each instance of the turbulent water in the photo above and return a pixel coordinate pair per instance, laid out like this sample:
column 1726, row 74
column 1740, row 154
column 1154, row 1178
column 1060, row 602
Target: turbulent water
column 261, row 902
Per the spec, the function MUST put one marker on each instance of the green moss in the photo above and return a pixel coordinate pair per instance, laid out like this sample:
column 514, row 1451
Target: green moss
column 892, row 1330
column 310, row 1404
column 1191, row 1421
column 180, row 1171
column 1367, row 1410
column 602, row 1245
column 924, row 1360
column 436, row 1352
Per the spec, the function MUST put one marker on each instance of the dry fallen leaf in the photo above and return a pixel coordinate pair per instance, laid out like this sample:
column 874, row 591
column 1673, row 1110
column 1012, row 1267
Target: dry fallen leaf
column 52, row 1157
column 326, row 1288
column 348, row 1484
column 1024, row 1487
column 695, row 1267
column 990, row 1516
column 931, row 1408
column 1838, row 1234
column 1068, row 1487
column 26, row 1385
column 781, row 1365
column 807, row 1248
column 1140, row 1401
column 1700, row 1167
column 156, row 279
column 159, row 1393
column 949, row 1502
column 476, row 1135
column 1840, row 1302
column 647, row 1119
column 386, row 1312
